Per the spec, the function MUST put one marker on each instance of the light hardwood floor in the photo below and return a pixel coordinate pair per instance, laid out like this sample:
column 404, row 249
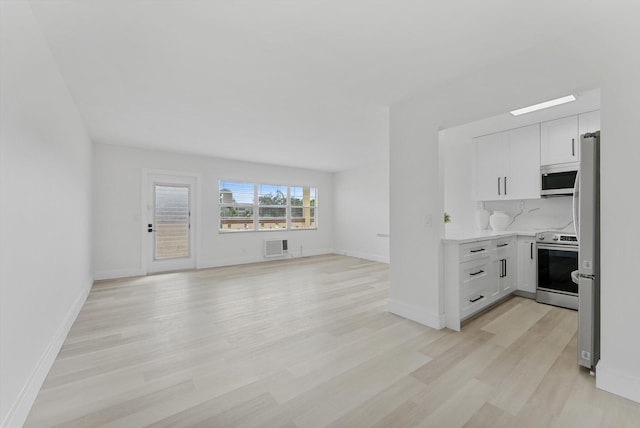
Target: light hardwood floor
column 309, row 343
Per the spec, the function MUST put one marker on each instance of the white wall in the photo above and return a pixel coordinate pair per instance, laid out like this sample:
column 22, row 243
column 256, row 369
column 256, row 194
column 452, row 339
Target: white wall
column 416, row 215
column 45, row 204
column 618, row 370
column 361, row 212
column 456, row 151
column 119, row 227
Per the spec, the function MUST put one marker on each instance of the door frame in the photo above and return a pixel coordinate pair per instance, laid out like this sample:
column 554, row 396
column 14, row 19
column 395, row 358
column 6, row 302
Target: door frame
column 146, row 200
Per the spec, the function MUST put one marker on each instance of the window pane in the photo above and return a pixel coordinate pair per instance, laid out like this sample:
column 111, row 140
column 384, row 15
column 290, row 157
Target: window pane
column 272, row 223
column 303, row 195
column 269, row 194
column 171, row 222
column 236, row 218
column 236, row 192
column 273, row 212
column 296, row 196
column 302, row 223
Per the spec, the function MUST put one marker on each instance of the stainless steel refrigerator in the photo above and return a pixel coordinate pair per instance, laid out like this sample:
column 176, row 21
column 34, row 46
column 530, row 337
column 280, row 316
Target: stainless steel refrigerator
column 586, row 213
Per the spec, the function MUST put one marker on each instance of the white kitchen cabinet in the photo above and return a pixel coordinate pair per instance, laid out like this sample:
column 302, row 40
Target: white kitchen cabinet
column 527, row 271
column 506, row 256
column 507, row 165
column 521, row 167
column 477, row 275
column 588, row 122
column 488, row 166
column 559, row 141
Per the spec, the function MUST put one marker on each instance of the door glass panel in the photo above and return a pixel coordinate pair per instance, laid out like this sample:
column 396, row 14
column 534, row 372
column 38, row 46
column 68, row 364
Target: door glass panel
column 171, row 222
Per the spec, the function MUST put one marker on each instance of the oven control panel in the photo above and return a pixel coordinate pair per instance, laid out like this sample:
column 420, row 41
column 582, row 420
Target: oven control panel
column 557, row 238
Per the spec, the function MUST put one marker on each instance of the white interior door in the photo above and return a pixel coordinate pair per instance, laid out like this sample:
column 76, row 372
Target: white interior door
column 170, row 227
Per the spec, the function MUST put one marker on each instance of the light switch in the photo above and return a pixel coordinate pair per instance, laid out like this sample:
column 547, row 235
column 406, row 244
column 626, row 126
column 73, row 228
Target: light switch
column 428, row 220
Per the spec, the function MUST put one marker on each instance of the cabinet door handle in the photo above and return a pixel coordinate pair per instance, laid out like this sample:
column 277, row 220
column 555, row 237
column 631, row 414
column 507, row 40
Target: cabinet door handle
column 476, row 273
column 502, row 245
column 476, row 251
column 532, row 251
column 573, row 147
column 504, row 264
column 476, row 299
column 499, row 186
column 505, row 185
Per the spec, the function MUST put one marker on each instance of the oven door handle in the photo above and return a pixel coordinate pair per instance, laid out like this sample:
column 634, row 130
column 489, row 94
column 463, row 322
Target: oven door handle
column 571, row 248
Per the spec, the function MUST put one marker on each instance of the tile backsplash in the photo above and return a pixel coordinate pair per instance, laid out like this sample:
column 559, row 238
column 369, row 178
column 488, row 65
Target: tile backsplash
column 554, row 213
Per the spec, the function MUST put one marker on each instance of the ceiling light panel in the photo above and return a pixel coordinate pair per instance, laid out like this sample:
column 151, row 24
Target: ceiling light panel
column 546, row 104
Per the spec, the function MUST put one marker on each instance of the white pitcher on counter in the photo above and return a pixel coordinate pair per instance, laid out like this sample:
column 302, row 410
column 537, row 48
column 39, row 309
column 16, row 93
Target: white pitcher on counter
column 499, row 221
column 482, row 217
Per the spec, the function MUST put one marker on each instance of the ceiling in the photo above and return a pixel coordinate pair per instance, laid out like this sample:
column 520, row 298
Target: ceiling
column 295, row 83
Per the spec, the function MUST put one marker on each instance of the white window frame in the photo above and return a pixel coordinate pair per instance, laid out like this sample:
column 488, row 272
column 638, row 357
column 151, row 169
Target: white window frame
column 256, row 209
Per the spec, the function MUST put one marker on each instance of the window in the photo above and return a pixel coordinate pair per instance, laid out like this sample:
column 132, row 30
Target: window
column 303, row 211
column 250, row 206
column 237, row 202
column 272, row 206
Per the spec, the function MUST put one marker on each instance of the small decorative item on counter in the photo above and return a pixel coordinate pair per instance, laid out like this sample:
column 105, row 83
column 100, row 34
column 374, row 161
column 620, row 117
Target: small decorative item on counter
column 499, row 221
column 447, row 218
column 482, row 217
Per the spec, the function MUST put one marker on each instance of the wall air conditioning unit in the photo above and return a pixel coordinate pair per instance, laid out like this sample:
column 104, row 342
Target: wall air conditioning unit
column 275, row 247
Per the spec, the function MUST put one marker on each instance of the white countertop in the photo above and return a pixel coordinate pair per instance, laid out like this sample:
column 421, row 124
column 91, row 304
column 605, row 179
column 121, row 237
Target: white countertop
column 461, row 237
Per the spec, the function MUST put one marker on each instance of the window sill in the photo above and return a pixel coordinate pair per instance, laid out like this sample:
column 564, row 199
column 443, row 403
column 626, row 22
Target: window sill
column 231, row 232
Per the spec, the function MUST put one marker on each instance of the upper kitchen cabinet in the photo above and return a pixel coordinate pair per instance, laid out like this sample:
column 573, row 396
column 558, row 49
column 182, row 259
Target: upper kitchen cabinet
column 489, row 153
column 559, row 141
column 507, row 165
column 560, row 138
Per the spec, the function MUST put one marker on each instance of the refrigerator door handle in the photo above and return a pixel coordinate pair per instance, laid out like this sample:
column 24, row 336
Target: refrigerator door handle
column 576, row 205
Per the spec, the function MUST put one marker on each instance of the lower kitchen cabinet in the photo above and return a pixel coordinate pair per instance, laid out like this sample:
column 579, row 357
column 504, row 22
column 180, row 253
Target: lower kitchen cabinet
column 527, row 265
column 506, row 256
column 476, row 275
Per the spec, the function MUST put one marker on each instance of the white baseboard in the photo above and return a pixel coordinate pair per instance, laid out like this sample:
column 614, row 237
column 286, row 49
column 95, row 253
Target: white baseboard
column 204, row 264
column 117, row 273
column 21, row 407
column 617, row 382
column 417, row 314
column 246, row 260
column 527, row 294
column 366, row 256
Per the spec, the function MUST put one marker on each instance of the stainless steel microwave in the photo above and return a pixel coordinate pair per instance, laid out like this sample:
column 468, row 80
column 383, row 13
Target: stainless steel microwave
column 558, row 180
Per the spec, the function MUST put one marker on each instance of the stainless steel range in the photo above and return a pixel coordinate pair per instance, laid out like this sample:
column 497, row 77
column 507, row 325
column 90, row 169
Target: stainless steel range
column 557, row 258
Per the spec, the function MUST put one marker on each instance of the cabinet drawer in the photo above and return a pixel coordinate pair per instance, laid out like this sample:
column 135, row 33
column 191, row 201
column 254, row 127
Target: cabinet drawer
column 474, row 272
column 474, row 299
column 474, row 250
column 505, row 244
